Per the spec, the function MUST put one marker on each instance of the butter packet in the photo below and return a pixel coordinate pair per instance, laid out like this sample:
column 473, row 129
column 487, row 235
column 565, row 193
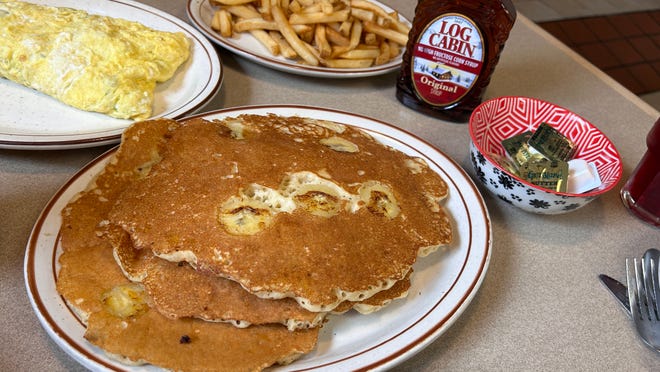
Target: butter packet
column 551, row 143
column 512, row 144
column 505, row 163
column 582, row 176
column 516, row 148
column 546, row 173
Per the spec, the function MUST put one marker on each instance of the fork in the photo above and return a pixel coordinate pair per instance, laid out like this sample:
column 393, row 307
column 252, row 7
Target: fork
column 644, row 295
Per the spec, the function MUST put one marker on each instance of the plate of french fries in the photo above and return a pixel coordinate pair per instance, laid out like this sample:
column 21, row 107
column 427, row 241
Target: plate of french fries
column 323, row 38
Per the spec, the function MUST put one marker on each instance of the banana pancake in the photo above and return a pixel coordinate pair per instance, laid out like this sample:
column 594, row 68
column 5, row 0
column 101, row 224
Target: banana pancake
column 118, row 314
column 81, row 236
column 129, row 330
column 379, row 300
column 287, row 207
column 177, row 291
column 196, row 345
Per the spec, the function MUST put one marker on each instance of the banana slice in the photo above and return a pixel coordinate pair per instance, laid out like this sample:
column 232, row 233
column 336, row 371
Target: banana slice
column 144, row 169
column 237, row 129
column 244, row 216
column 327, row 124
column 379, row 199
column 125, row 300
column 339, row 144
column 319, row 200
column 316, row 195
column 416, row 165
column 270, row 197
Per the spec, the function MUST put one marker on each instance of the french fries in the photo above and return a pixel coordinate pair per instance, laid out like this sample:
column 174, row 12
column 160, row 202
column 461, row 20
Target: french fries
column 291, row 36
column 222, row 22
column 331, row 33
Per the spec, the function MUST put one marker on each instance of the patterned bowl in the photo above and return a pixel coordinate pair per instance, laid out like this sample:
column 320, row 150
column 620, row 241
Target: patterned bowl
column 501, row 118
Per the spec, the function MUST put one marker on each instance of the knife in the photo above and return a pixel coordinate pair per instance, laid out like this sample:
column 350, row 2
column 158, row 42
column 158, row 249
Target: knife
column 618, row 290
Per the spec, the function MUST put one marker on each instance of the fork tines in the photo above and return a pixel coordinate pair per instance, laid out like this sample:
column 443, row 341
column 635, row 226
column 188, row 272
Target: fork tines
column 643, row 288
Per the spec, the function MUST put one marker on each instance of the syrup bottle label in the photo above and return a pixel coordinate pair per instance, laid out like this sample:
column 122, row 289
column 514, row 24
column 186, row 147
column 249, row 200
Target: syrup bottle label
column 447, row 59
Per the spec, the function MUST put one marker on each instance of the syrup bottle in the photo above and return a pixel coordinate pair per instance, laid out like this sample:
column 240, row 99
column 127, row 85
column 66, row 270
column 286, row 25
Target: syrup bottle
column 452, row 51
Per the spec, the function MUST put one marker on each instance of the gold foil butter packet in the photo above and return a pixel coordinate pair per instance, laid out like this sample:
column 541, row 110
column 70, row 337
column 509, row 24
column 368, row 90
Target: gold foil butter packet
column 546, row 173
column 552, row 144
column 516, row 148
column 505, row 163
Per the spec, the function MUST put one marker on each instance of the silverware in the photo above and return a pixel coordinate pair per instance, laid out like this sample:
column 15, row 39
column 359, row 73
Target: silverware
column 644, row 296
column 618, row 290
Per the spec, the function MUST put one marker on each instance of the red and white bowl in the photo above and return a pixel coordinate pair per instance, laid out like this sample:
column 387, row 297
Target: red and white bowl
column 501, row 118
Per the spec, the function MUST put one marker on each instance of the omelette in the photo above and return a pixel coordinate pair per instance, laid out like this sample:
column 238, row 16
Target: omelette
column 90, row 62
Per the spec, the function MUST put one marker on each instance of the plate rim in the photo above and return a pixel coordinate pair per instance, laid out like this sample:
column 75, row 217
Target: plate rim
column 194, row 15
column 384, row 361
column 92, row 138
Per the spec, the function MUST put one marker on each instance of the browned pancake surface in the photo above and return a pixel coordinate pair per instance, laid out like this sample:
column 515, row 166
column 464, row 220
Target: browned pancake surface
column 81, row 217
column 81, row 233
column 89, row 272
column 195, row 345
column 178, row 291
column 379, row 300
column 318, row 260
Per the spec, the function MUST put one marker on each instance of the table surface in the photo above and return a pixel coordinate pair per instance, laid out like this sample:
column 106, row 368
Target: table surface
column 541, row 305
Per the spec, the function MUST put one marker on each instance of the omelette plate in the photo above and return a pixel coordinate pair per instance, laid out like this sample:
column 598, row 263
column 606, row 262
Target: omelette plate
column 245, row 45
column 33, row 120
column 443, row 285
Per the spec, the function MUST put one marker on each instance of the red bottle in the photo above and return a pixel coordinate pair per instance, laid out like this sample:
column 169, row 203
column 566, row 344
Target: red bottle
column 641, row 194
column 452, row 51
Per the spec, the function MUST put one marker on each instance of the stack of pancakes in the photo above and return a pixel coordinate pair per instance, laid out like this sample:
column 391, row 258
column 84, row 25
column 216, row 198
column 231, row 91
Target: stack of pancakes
column 224, row 245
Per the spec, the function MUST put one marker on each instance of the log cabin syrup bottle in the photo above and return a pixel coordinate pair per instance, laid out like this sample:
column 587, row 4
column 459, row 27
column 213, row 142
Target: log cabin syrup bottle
column 452, row 51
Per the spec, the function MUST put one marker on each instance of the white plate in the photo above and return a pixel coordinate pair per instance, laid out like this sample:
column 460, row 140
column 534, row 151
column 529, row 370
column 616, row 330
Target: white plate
column 200, row 13
column 32, row 120
column 443, row 285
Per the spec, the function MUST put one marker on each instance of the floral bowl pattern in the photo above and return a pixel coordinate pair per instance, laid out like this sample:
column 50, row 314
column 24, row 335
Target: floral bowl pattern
column 501, row 118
